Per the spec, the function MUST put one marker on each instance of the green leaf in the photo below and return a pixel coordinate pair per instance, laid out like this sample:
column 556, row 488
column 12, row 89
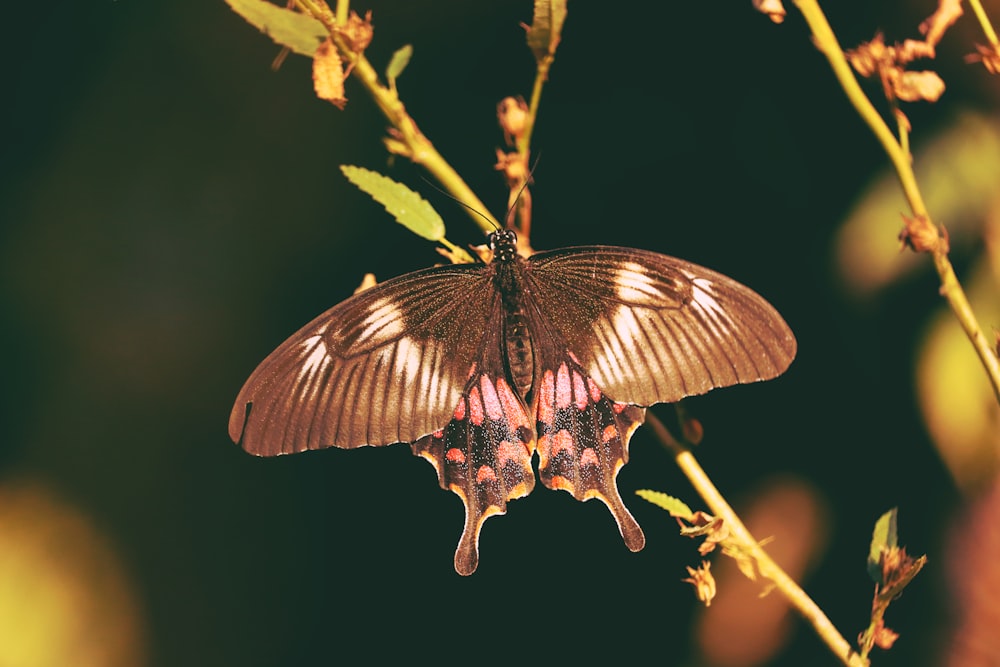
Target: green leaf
column 400, row 59
column 410, row 209
column 300, row 33
column 675, row 506
column 545, row 30
column 883, row 538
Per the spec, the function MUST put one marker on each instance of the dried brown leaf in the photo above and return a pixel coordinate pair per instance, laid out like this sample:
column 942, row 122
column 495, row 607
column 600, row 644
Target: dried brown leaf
column 934, row 27
column 328, row 75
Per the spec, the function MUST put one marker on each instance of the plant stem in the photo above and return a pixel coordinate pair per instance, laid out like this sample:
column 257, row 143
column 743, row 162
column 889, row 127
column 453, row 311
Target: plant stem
column 902, row 161
column 765, row 564
column 984, row 22
column 411, row 141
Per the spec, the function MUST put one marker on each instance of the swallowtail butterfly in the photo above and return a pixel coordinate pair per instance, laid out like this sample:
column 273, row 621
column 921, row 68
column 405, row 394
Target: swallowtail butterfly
column 480, row 366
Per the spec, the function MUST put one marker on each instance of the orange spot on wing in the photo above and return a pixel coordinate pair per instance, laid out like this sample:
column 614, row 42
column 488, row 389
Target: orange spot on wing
column 560, row 482
column 460, row 410
column 610, row 433
column 455, row 455
column 485, row 474
column 589, row 457
column 562, row 441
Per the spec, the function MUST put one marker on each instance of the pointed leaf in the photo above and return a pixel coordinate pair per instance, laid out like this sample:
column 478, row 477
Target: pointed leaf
column 675, row 506
column 400, row 59
column 300, row 33
column 545, row 30
column 883, row 538
column 410, row 209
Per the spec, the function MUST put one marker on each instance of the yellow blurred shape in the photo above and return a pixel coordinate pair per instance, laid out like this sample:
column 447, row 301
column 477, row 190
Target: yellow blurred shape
column 955, row 395
column 958, row 172
column 64, row 599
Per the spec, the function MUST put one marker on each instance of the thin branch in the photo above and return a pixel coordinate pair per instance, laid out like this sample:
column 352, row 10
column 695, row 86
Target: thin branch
column 407, row 139
column 902, row 161
column 765, row 564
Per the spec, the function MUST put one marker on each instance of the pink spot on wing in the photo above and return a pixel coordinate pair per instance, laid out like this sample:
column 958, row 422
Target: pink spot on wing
column 459, row 411
column 490, row 400
column 455, row 456
column 618, row 407
column 573, row 357
column 512, row 409
column 595, row 392
column 589, row 457
column 437, row 435
column 610, row 433
column 564, row 390
column 475, row 407
column 472, row 371
column 485, row 474
column 510, row 451
column 579, row 391
column 546, row 396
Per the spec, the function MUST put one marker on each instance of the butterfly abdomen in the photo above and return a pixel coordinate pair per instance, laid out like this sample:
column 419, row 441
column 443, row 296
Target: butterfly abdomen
column 516, row 334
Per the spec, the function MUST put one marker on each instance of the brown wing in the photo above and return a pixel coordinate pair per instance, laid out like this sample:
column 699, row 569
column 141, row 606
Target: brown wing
column 649, row 328
column 386, row 365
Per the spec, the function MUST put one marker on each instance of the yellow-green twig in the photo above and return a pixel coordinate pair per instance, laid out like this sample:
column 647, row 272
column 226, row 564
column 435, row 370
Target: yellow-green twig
column 766, row 566
column 902, row 161
column 407, row 137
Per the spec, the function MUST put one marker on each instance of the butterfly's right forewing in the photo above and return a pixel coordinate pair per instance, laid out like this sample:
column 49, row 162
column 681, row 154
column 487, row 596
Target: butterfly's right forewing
column 387, row 365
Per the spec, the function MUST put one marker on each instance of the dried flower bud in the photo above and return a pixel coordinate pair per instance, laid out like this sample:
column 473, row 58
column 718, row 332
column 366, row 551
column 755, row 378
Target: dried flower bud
column 358, row 32
column 773, row 8
column 703, row 582
column 920, row 235
column 512, row 114
column 989, row 56
column 884, row 637
column 513, row 166
column 868, row 56
column 913, row 86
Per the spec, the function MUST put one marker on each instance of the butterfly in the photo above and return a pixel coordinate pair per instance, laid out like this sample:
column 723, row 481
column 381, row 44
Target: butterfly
column 481, row 366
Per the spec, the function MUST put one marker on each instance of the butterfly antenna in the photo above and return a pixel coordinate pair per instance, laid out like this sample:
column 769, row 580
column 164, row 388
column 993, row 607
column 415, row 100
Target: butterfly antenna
column 455, row 199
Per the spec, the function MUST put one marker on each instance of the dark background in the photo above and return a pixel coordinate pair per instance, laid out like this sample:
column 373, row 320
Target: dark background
column 171, row 210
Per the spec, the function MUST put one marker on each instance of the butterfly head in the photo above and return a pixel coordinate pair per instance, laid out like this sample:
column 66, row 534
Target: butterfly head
column 503, row 243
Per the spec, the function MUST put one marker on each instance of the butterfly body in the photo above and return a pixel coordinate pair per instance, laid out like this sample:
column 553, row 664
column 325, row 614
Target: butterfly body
column 481, row 366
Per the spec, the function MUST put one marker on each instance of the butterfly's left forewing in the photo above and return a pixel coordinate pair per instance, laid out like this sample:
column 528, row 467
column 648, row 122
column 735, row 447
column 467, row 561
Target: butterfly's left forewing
column 387, row 365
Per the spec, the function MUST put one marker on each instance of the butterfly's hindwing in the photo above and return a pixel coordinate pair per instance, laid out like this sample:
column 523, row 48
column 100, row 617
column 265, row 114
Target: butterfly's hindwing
column 484, row 455
column 478, row 365
column 583, row 439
